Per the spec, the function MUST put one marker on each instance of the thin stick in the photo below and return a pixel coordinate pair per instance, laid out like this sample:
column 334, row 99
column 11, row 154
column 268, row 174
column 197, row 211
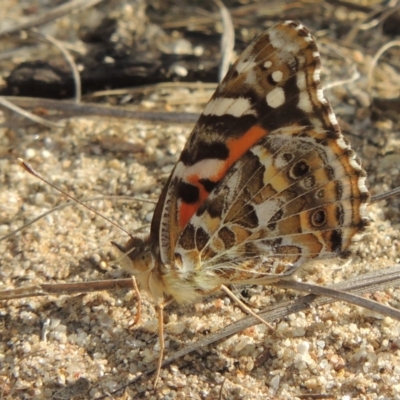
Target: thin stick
column 70, row 108
column 227, row 40
column 377, row 56
column 46, row 289
column 56, row 12
column 246, row 309
column 381, row 12
column 144, row 89
column 160, row 315
column 384, row 196
column 33, row 117
column 138, row 317
column 347, row 297
column 70, row 60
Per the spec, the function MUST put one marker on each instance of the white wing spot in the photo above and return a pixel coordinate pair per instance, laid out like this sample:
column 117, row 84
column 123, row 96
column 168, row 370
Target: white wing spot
column 298, row 27
column 281, row 40
column 304, row 102
column 205, row 169
column 316, row 75
column 267, row 64
column 224, row 105
column 265, row 211
column 332, row 118
column 354, row 163
column 301, row 80
column 280, row 161
column 320, row 96
column 276, row 97
column 341, row 143
column 277, row 76
column 362, row 186
column 277, row 38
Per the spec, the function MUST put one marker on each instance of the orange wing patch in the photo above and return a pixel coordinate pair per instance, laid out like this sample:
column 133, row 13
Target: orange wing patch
column 199, row 173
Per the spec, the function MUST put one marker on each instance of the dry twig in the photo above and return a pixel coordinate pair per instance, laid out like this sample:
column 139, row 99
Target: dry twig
column 69, row 108
column 227, row 40
column 70, row 60
column 56, row 12
column 377, row 56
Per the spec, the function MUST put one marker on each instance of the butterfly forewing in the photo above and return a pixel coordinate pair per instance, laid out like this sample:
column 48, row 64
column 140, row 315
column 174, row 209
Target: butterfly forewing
column 266, row 180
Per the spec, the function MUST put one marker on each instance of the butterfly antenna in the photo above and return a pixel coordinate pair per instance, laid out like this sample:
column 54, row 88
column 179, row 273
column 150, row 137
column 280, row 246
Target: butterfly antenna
column 28, row 168
column 384, row 196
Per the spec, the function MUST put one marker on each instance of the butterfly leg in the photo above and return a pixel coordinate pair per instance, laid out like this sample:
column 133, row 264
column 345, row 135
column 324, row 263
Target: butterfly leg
column 244, row 307
column 138, row 316
column 160, row 315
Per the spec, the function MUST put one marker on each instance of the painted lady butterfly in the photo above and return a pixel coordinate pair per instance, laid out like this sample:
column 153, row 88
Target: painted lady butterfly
column 265, row 183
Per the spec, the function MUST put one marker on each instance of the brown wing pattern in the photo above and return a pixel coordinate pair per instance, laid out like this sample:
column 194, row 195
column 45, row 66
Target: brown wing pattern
column 266, row 180
column 245, row 107
column 290, row 199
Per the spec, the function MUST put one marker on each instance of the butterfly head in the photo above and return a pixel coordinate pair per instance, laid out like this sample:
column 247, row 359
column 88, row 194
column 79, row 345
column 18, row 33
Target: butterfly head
column 139, row 260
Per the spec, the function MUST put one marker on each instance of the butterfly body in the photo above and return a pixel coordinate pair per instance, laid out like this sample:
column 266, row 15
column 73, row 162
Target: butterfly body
column 265, row 183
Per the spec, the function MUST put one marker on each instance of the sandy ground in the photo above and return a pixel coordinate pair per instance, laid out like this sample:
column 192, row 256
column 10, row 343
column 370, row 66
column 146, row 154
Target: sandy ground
column 83, row 346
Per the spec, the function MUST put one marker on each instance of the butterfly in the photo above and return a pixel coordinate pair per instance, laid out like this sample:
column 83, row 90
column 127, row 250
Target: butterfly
column 265, row 183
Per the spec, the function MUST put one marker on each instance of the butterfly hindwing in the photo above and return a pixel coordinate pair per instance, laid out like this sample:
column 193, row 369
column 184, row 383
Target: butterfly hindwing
column 278, row 207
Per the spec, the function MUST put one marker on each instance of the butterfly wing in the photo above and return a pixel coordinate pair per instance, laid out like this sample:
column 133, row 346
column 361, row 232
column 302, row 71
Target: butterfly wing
column 266, row 180
column 289, row 199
